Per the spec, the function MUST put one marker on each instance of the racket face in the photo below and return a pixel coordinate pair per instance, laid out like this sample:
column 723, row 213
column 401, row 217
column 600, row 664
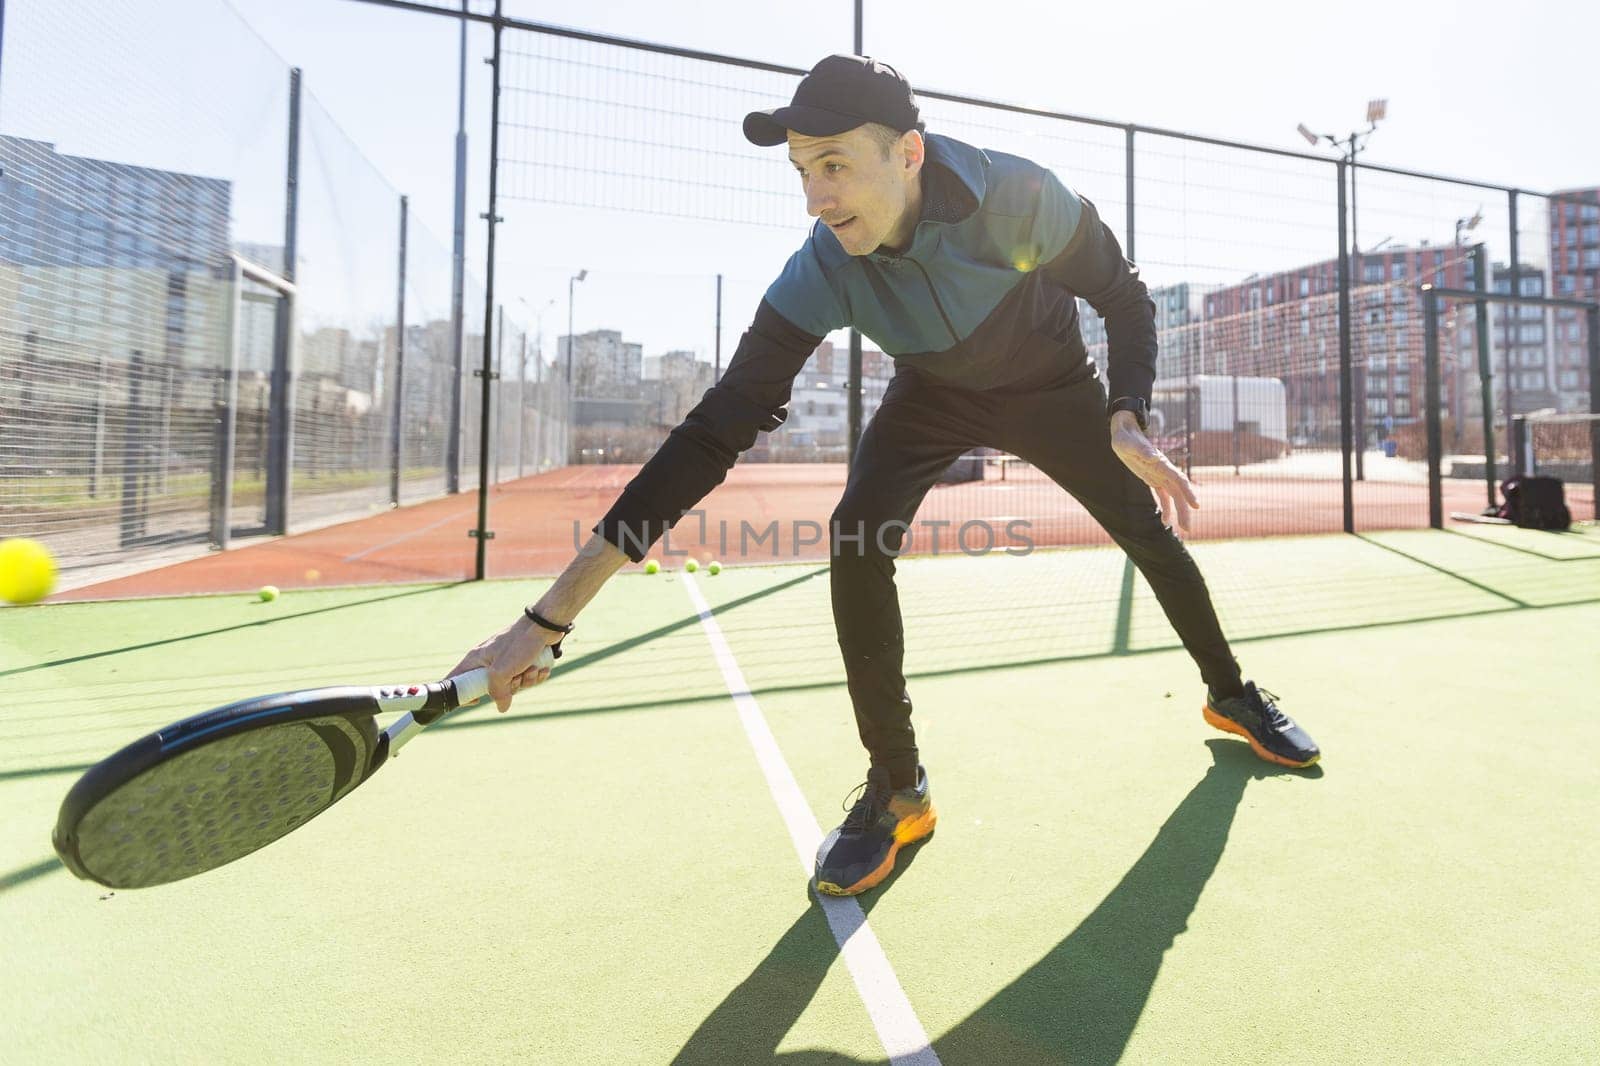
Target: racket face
column 188, row 799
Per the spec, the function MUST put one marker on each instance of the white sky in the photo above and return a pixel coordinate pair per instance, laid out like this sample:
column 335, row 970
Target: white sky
column 1475, row 90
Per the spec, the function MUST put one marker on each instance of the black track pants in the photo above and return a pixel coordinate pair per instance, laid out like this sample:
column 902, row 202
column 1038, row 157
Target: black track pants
column 923, row 426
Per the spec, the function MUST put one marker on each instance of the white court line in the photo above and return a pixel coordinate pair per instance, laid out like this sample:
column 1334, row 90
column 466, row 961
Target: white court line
column 898, row 1027
column 363, row 553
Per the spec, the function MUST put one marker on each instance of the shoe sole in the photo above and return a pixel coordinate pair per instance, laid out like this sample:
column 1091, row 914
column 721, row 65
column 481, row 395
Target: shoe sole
column 903, row 834
column 1228, row 725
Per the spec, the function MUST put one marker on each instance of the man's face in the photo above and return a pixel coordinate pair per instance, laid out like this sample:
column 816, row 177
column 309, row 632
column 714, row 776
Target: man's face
column 867, row 200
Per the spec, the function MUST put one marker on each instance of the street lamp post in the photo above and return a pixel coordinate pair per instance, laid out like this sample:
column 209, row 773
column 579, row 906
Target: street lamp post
column 571, row 394
column 1349, row 147
column 579, row 276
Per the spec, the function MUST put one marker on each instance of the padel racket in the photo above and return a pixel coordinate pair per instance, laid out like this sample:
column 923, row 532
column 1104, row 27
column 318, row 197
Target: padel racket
column 214, row 787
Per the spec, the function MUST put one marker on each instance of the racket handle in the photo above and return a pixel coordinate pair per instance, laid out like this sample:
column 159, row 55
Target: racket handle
column 471, row 687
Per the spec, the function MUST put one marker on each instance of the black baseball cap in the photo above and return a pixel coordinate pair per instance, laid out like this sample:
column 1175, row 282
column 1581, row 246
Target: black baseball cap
column 841, row 93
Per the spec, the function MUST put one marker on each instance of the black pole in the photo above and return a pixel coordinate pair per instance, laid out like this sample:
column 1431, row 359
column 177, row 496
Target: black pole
column 500, row 376
column 1513, row 316
column 1345, row 428
column 1594, row 405
column 132, row 524
column 1430, row 396
column 399, row 365
column 458, row 266
column 1355, row 241
column 483, row 533
column 280, row 419
column 853, row 381
column 1234, row 381
column 716, row 375
column 1128, row 168
column 1358, row 400
column 522, row 400
column 1480, row 282
column 221, row 461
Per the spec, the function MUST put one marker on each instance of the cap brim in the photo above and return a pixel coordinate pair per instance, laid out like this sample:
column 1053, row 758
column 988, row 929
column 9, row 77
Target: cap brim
column 768, row 128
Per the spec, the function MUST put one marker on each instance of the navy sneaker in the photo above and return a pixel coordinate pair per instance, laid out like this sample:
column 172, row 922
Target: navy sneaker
column 1256, row 717
column 860, row 853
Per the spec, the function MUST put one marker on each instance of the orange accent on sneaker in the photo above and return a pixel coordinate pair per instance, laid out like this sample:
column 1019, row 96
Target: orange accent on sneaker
column 1228, row 725
column 908, row 831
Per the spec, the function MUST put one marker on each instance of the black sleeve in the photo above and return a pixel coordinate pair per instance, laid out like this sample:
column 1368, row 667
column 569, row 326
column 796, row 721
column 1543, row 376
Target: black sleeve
column 1092, row 266
column 698, row 454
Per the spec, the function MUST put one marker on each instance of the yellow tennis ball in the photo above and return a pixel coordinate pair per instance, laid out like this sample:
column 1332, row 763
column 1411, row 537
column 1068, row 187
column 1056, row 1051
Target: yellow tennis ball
column 691, row 566
column 27, row 570
column 715, row 567
column 268, row 593
column 313, row 574
column 652, row 567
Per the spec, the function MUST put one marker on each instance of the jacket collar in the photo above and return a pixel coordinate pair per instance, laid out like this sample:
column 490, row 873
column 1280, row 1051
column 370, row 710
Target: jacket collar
column 953, row 200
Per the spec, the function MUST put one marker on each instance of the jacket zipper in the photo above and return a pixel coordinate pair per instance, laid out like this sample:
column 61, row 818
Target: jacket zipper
column 935, row 294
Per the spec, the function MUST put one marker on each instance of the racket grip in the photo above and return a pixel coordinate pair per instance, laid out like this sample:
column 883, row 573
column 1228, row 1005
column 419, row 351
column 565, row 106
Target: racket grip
column 471, row 687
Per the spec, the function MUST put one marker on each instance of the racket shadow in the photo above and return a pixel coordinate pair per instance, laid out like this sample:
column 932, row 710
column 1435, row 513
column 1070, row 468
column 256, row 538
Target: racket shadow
column 28, row 873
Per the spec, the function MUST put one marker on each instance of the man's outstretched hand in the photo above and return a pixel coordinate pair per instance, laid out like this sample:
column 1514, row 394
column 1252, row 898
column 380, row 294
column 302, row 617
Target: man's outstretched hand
column 512, row 655
column 512, row 658
column 1154, row 469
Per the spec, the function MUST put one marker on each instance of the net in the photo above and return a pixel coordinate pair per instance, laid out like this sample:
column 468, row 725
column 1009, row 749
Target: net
column 1565, row 446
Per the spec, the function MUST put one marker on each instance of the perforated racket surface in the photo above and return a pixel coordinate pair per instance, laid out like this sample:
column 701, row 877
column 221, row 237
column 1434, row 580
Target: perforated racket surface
column 212, row 788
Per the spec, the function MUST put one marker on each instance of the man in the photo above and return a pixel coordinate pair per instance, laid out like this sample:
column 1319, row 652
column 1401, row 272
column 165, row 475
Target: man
column 963, row 265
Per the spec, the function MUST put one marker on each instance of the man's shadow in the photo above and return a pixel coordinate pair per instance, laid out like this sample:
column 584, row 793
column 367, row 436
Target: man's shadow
column 1078, row 1004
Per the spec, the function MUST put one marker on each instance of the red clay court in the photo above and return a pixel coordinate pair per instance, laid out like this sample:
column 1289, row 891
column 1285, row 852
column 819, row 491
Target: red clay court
column 539, row 521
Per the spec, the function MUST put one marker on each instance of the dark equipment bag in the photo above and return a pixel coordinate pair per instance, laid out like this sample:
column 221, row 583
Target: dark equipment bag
column 1535, row 502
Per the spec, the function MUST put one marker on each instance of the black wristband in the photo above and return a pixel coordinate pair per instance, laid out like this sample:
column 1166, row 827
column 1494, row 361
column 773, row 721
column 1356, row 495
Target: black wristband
column 544, row 623
column 540, row 620
column 1136, row 404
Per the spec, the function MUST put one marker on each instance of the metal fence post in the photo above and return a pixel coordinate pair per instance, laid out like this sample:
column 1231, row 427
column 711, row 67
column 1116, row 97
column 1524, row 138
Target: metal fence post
column 1128, row 168
column 1513, row 317
column 499, row 392
column 133, row 524
column 1593, row 316
column 458, row 267
column 1346, row 429
column 395, row 457
column 482, row 532
column 280, row 416
column 226, row 406
column 97, row 471
column 1480, row 284
column 1430, row 396
column 522, row 399
column 852, row 387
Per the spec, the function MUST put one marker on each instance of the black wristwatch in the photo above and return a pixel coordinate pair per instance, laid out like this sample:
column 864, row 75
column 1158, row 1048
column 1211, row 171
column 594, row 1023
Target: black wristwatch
column 1139, row 406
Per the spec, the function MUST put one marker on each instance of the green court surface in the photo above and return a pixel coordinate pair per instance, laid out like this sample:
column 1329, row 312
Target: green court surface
column 604, row 875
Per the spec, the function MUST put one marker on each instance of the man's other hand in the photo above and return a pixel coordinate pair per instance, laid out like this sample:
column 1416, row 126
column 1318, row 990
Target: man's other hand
column 1154, row 469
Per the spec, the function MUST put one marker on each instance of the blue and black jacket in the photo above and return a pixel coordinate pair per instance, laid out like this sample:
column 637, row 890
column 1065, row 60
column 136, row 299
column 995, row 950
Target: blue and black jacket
column 982, row 299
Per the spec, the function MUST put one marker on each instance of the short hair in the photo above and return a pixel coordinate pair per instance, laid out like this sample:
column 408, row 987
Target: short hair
column 885, row 136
